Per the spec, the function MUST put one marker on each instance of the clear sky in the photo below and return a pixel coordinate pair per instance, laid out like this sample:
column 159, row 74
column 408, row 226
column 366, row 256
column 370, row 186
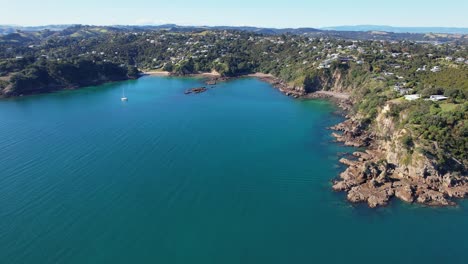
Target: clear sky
column 266, row 13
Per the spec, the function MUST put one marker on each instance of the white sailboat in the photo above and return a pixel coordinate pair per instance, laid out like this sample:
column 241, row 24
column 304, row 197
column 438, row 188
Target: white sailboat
column 123, row 99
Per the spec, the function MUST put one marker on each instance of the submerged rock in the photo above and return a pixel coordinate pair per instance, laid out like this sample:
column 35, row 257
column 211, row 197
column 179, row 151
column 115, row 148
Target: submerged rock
column 196, row 90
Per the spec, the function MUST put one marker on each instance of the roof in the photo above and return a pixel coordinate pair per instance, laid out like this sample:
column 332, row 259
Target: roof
column 437, row 97
column 412, row 97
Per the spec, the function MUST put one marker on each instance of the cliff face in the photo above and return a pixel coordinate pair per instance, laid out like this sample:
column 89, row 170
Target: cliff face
column 411, row 163
column 324, row 80
column 338, row 80
column 389, row 168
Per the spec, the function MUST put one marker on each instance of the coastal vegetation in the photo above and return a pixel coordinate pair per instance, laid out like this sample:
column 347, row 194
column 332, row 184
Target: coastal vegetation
column 45, row 76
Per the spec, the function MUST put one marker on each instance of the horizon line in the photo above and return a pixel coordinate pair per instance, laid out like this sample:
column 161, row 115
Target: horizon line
column 205, row 25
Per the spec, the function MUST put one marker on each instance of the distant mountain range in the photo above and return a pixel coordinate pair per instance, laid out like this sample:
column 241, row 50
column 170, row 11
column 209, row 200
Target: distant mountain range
column 7, row 29
column 446, row 30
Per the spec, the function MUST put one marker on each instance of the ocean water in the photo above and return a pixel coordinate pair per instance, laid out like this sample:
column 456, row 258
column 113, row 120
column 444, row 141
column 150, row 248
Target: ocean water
column 239, row 174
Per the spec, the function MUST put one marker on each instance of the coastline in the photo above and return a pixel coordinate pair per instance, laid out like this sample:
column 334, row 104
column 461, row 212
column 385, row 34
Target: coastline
column 341, row 99
column 375, row 174
column 52, row 89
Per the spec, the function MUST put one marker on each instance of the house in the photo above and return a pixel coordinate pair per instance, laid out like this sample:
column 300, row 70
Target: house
column 460, row 60
column 404, row 91
column 324, row 65
column 344, row 60
column 435, row 69
column 401, row 90
column 421, row 69
column 437, row 98
column 412, row 97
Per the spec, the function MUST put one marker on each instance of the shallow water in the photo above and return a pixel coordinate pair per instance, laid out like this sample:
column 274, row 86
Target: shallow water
column 238, row 174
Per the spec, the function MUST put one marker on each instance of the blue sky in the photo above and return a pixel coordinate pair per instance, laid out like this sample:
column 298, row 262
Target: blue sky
column 273, row 13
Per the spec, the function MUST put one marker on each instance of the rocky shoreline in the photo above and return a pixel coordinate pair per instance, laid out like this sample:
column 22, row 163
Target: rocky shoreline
column 375, row 175
column 280, row 85
column 370, row 178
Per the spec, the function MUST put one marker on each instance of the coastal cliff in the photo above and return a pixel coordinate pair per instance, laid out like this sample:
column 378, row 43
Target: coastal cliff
column 389, row 164
column 388, row 169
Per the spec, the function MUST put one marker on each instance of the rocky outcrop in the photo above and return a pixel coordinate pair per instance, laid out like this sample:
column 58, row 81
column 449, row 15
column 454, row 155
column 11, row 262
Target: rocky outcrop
column 387, row 169
column 284, row 87
column 352, row 132
column 196, row 90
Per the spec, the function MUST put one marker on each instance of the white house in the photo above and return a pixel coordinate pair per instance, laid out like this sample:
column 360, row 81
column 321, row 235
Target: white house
column 438, row 98
column 412, row 97
column 421, row 69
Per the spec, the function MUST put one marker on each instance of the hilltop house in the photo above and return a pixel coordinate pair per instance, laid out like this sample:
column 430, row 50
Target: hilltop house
column 421, row 69
column 412, row 97
column 438, row 98
column 435, row 69
column 402, row 90
column 324, row 65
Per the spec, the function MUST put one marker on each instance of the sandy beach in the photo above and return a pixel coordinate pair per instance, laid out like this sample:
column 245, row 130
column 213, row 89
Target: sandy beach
column 261, row 75
column 166, row 73
column 157, row 73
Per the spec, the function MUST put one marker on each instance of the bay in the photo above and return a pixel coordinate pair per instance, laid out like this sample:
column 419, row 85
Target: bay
column 238, row 174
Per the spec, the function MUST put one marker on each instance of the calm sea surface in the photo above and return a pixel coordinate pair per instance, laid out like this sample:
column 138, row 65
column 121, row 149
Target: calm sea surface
column 239, row 174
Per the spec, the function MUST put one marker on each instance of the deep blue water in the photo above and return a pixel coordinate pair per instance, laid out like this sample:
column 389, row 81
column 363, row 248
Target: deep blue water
column 239, row 174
